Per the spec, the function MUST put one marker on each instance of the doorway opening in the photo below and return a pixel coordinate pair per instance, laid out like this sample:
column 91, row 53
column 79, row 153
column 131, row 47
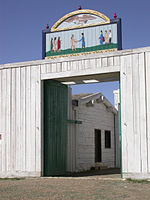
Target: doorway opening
column 98, row 147
column 80, row 134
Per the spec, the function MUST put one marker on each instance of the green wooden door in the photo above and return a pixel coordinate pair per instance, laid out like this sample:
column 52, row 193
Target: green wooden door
column 55, row 127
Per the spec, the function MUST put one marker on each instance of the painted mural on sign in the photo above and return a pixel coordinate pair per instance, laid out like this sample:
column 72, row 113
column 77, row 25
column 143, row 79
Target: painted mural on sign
column 81, row 32
column 80, row 19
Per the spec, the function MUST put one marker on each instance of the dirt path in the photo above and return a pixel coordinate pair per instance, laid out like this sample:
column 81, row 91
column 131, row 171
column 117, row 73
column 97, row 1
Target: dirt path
column 88, row 188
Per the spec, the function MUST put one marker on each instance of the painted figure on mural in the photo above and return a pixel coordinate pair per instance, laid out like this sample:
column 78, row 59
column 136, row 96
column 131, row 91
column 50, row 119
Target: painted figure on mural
column 110, row 36
column 106, row 37
column 51, row 44
column 55, row 44
column 58, row 44
column 83, row 40
column 101, row 38
column 73, row 43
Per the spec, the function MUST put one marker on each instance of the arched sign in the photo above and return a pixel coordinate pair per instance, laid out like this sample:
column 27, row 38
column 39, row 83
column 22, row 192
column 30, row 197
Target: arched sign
column 82, row 32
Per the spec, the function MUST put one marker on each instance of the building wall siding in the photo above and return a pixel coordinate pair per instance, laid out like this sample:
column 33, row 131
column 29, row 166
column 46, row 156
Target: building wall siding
column 93, row 117
column 20, row 124
column 134, row 115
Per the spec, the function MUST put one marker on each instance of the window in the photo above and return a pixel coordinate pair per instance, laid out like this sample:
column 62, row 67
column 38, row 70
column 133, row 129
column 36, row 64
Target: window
column 107, row 139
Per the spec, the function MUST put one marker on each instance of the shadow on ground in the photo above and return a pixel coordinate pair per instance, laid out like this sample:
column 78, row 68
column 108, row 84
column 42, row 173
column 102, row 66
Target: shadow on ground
column 110, row 171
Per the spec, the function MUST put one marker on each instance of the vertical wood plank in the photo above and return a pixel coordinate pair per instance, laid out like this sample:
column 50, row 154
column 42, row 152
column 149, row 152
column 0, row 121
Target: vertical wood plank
column 68, row 66
column 136, row 165
column 4, row 108
column 18, row 122
column 110, row 61
column 3, row 98
column 1, row 153
column 23, row 117
column 81, row 64
column 33, row 118
column 38, row 119
column 129, row 115
column 59, row 67
column 0, row 100
column 142, row 111
column 13, row 120
column 3, row 120
column 64, row 66
column 99, row 62
column 0, row 120
column 48, row 68
column 93, row 63
column 28, row 120
column 74, row 66
column 43, row 68
column 116, row 60
column 104, row 62
column 87, row 64
column 123, row 79
column 8, row 119
column 147, row 81
column 54, row 67
column 4, row 156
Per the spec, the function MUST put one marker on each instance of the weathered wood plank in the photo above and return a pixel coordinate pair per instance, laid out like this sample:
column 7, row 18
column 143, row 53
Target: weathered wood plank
column 8, row 118
column 135, row 146
column 93, row 63
column 104, row 62
column 1, row 120
column 110, row 61
column 116, row 60
column 87, row 64
column 64, row 66
column 54, row 69
column 28, row 120
column 38, row 119
column 18, row 122
column 142, row 111
column 33, row 118
column 99, row 62
column 43, row 69
column 124, row 89
column 23, row 117
column 59, row 67
column 1, row 152
column 147, row 76
column 74, row 66
column 81, row 64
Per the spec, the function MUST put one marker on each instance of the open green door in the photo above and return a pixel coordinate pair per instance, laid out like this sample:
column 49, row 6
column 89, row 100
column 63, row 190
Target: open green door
column 55, row 127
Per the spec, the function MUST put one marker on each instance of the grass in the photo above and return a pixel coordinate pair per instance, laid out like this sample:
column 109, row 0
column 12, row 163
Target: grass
column 138, row 181
column 12, row 179
column 81, row 50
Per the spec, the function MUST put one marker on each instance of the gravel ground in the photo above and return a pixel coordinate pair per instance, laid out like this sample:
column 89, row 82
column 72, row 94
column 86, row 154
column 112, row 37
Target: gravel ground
column 90, row 187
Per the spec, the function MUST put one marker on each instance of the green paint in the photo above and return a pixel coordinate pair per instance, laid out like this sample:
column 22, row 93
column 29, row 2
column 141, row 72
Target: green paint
column 55, row 128
column 74, row 122
column 143, row 181
column 80, row 50
column 120, row 131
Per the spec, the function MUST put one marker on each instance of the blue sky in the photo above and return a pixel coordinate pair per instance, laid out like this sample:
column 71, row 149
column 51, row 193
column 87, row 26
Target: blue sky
column 21, row 24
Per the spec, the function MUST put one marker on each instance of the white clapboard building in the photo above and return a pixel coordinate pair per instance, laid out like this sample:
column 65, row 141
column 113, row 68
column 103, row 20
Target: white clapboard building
column 97, row 136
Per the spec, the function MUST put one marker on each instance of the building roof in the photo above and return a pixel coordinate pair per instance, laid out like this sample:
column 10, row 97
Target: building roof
column 91, row 98
column 80, row 96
